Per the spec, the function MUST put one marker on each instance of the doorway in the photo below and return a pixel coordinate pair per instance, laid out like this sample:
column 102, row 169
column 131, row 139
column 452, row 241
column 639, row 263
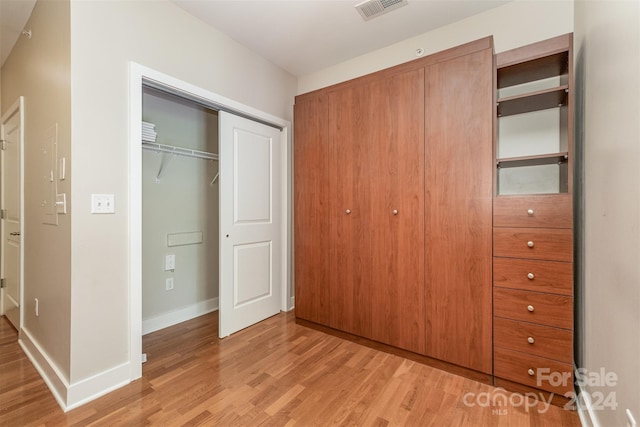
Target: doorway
column 11, row 213
column 243, row 240
column 180, row 210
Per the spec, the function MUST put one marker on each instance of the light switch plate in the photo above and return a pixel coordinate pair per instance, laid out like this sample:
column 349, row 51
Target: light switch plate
column 103, row 203
column 169, row 262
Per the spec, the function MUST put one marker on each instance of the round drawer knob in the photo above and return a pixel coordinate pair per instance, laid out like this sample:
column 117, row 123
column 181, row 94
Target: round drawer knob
column 531, row 372
column 348, row 211
column 530, row 212
column 395, row 211
column 530, row 340
column 530, row 308
column 530, row 276
column 530, row 243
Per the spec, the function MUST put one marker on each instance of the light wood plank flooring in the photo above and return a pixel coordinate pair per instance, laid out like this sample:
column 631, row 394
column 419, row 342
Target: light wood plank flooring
column 276, row 373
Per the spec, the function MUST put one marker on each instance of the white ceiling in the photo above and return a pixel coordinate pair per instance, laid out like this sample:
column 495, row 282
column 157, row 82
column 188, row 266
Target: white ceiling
column 300, row 36
column 13, row 15
column 303, row 36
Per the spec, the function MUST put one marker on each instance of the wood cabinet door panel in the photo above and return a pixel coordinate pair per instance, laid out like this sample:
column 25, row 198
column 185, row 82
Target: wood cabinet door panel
column 549, row 211
column 534, row 307
column 458, row 209
column 540, row 276
column 311, row 210
column 397, row 232
column 534, row 243
column 350, row 210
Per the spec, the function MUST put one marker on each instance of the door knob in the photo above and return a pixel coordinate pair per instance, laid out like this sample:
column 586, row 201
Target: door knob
column 530, row 308
column 530, row 212
column 530, row 276
column 395, row 211
column 15, row 233
column 348, row 211
column 530, row 243
column 530, row 340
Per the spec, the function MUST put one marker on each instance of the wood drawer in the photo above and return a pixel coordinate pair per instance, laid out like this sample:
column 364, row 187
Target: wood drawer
column 540, row 276
column 533, row 307
column 548, row 211
column 534, row 371
column 534, row 243
column 543, row 341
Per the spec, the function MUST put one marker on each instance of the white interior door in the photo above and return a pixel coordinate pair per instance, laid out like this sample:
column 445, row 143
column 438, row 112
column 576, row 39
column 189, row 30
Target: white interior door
column 250, row 223
column 10, row 201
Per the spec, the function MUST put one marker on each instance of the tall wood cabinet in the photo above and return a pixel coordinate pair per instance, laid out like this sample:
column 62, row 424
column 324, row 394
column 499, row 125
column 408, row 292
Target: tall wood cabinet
column 533, row 217
column 392, row 206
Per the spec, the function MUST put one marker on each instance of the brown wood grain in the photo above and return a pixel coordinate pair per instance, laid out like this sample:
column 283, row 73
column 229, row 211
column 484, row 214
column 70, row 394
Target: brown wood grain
column 514, row 366
column 273, row 373
column 525, row 55
column 567, row 404
column 534, row 101
column 549, row 342
column 548, row 309
column 350, row 133
column 549, row 211
column 548, row 276
column 397, row 183
column 458, row 198
column 416, row 64
column 311, row 210
column 550, row 244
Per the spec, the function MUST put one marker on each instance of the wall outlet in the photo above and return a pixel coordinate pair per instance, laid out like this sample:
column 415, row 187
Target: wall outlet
column 103, row 203
column 169, row 262
column 36, row 307
column 169, row 283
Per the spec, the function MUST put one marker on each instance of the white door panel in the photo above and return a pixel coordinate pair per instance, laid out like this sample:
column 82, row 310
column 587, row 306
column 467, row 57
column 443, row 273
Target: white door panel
column 252, row 177
column 250, row 223
column 11, row 195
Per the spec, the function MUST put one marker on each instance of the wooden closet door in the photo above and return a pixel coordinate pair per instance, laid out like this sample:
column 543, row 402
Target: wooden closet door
column 397, row 194
column 350, row 209
column 459, row 166
column 311, row 207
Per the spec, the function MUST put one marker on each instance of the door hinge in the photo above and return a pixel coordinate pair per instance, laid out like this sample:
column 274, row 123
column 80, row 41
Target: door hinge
column 3, row 214
column 2, row 281
column 3, row 144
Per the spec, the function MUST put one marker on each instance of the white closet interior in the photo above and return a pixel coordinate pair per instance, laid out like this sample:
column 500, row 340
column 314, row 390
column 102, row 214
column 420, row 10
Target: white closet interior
column 179, row 211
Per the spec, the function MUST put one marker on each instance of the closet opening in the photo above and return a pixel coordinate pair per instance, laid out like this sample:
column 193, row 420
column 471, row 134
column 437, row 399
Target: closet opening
column 180, row 210
column 212, row 175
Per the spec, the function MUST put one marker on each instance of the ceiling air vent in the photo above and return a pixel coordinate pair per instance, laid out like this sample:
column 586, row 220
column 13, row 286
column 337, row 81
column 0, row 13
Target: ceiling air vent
column 370, row 9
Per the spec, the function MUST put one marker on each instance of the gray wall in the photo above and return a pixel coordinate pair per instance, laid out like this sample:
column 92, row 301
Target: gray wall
column 607, row 47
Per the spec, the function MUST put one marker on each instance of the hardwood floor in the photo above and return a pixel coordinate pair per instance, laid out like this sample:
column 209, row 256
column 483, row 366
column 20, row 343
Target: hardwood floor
column 275, row 373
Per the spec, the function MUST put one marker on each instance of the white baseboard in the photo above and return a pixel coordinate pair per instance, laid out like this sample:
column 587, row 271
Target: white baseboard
column 48, row 370
column 174, row 317
column 67, row 395
column 98, row 385
column 585, row 410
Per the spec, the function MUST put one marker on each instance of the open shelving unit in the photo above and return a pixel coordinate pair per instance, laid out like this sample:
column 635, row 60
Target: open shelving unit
column 532, row 115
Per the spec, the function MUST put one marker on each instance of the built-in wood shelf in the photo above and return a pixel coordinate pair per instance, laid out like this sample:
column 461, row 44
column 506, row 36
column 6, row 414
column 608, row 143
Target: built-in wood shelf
column 536, row 69
column 533, row 101
column 542, row 159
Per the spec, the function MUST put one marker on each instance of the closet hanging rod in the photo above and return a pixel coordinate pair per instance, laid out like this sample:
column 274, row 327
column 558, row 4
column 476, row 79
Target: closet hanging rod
column 161, row 148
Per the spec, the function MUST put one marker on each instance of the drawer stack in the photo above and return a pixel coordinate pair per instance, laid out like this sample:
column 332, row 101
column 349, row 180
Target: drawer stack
column 533, row 291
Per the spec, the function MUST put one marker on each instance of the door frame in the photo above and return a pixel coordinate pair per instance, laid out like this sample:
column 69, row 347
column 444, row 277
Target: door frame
column 18, row 106
column 140, row 76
